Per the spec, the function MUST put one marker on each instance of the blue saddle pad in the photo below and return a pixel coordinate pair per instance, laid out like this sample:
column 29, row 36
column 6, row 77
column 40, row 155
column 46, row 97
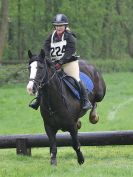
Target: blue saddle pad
column 87, row 82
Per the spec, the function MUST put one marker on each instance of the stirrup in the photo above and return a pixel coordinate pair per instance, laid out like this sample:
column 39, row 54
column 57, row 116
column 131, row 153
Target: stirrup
column 34, row 104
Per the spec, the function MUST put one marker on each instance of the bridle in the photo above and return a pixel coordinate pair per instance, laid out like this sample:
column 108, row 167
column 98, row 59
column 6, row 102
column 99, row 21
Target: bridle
column 40, row 84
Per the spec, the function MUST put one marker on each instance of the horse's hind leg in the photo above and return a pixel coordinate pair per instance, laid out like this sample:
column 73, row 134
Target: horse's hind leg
column 93, row 117
column 79, row 124
column 76, row 145
column 52, row 140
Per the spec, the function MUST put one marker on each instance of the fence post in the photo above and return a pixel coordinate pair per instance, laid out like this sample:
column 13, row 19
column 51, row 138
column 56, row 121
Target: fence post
column 22, row 148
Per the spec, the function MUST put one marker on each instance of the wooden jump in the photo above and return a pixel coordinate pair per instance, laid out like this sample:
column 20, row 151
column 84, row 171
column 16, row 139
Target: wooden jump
column 24, row 143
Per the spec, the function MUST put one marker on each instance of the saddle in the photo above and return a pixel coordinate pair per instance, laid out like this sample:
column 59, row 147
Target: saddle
column 73, row 85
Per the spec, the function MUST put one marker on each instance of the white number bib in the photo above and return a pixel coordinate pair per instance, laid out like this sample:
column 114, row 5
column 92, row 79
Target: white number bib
column 57, row 48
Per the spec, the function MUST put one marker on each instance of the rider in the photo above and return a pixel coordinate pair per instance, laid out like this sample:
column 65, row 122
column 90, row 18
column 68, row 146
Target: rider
column 60, row 46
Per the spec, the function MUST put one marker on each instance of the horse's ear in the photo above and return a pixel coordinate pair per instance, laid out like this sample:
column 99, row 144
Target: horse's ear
column 30, row 54
column 42, row 53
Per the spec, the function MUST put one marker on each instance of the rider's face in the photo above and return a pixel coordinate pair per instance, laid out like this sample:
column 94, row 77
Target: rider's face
column 60, row 29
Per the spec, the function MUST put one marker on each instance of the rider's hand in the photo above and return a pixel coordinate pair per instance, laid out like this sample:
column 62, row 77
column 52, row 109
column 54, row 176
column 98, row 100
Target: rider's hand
column 57, row 66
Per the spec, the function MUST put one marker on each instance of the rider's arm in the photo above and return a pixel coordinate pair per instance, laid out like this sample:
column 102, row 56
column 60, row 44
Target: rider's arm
column 70, row 49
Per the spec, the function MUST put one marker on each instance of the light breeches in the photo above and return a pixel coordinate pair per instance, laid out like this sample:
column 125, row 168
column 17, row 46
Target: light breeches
column 72, row 69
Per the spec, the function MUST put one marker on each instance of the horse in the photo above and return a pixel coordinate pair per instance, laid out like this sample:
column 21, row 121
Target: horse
column 59, row 108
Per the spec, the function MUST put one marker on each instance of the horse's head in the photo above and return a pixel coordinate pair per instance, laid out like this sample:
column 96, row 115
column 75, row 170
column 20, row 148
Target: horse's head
column 37, row 71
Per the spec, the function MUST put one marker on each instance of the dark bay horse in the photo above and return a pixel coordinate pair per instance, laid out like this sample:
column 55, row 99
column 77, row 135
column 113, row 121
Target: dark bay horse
column 60, row 110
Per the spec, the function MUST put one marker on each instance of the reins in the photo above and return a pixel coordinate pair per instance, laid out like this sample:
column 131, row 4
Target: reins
column 48, row 81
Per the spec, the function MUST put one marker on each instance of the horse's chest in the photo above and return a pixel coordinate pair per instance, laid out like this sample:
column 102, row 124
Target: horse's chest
column 59, row 122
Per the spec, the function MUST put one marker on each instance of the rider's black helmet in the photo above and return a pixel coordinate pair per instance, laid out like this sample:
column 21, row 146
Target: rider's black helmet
column 60, row 19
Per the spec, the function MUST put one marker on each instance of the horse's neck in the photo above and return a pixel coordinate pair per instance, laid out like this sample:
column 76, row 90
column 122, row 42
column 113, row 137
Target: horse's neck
column 54, row 84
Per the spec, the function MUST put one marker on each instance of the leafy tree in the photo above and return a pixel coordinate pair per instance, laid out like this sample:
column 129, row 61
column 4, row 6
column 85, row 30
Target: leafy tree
column 104, row 28
column 3, row 26
column 125, row 12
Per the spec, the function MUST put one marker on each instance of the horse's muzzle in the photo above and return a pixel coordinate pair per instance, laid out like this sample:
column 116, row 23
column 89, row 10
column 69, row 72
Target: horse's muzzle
column 30, row 88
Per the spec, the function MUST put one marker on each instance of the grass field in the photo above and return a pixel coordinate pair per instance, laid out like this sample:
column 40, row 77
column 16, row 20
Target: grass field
column 115, row 113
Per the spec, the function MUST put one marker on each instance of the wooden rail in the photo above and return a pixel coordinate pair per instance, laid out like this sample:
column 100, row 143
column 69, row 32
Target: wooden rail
column 24, row 143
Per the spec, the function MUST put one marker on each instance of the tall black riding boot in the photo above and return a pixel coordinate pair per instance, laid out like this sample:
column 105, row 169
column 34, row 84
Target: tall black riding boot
column 35, row 103
column 86, row 104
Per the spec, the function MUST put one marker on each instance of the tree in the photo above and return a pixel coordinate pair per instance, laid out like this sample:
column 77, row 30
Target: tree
column 104, row 28
column 127, row 28
column 3, row 26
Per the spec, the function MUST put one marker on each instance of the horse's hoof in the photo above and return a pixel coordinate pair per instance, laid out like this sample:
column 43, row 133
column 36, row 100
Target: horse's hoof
column 53, row 162
column 81, row 162
column 80, row 158
column 94, row 119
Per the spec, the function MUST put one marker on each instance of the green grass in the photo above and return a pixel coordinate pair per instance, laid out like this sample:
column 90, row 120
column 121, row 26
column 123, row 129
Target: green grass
column 115, row 113
column 15, row 115
column 99, row 162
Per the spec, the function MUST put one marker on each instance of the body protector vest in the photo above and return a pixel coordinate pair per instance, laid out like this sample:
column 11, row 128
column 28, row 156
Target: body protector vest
column 57, row 48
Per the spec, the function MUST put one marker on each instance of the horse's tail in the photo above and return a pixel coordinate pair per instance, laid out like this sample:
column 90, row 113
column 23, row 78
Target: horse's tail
column 100, row 87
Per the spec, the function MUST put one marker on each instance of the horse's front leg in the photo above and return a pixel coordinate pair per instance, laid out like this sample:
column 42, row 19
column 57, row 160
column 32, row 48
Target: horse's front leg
column 76, row 144
column 93, row 117
column 52, row 140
